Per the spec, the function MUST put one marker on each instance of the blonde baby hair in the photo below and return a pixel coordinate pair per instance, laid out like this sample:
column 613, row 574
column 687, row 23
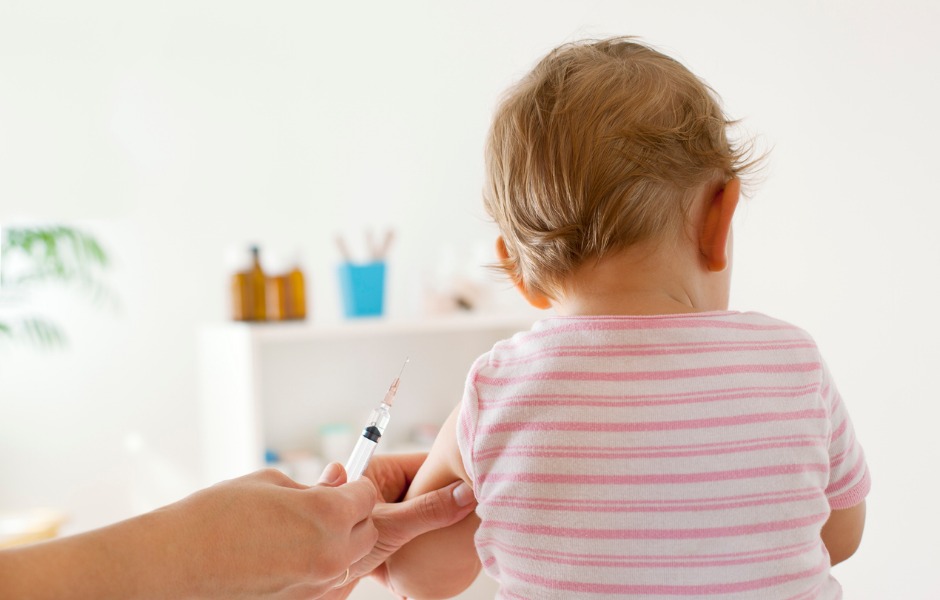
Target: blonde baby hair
column 602, row 146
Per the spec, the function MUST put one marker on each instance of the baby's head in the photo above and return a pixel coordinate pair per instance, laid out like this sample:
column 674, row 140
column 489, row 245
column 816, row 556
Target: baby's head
column 604, row 145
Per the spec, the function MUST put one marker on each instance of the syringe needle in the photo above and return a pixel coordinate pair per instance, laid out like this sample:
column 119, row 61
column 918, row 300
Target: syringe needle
column 393, row 389
column 367, row 443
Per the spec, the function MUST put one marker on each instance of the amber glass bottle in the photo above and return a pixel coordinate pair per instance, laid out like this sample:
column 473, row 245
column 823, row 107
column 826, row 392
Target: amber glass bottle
column 256, row 287
column 239, row 264
column 277, row 297
column 241, row 303
column 296, row 294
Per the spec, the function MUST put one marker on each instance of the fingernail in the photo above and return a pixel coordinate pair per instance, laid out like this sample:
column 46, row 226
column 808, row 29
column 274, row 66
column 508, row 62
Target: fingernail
column 331, row 473
column 463, row 495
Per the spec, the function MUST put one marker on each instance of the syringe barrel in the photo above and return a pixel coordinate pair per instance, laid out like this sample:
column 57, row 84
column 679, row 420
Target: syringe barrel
column 362, row 454
column 369, row 439
column 380, row 417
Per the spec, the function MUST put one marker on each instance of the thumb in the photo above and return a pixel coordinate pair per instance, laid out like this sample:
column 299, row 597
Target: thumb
column 333, row 475
column 433, row 510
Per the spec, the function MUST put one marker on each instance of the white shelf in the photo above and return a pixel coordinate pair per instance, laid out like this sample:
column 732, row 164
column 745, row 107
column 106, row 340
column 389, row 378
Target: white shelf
column 274, row 385
column 311, row 331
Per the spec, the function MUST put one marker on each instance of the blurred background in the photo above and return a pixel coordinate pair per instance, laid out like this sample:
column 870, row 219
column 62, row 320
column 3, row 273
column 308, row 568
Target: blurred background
column 176, row 134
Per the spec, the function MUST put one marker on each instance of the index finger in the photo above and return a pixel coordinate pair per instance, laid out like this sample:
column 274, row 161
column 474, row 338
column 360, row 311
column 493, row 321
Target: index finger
column 393, row 473
column 408, row 464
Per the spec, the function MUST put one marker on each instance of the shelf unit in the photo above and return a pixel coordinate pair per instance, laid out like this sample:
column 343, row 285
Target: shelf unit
column 276, row 385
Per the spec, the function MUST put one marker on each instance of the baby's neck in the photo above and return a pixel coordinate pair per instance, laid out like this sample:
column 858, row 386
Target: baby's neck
column 643, row 282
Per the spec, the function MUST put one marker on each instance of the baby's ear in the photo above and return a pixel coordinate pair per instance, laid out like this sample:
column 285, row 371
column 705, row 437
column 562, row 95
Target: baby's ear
column 716, row 225
column 536, row 299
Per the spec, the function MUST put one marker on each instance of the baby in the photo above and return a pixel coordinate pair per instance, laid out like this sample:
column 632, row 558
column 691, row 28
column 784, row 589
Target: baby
column 646, row 442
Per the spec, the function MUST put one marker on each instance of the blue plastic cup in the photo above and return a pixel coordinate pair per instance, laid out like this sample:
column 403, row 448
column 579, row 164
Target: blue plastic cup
column 363, row 289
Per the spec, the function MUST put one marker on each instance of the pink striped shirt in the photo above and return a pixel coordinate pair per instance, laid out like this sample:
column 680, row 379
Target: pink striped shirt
column 672, row 456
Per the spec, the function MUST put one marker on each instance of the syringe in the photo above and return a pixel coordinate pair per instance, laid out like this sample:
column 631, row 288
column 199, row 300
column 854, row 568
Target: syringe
column 374, row 429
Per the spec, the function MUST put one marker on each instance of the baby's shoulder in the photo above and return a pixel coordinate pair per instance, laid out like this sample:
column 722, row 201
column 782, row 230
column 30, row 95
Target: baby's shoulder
column 768, row 323
column 507, row 352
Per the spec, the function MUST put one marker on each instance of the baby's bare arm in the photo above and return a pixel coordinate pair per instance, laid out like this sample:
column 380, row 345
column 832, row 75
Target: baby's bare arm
column 842, row 533
column 442, row 563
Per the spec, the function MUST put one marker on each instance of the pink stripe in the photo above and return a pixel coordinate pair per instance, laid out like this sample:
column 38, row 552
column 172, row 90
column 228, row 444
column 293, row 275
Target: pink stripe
column 619, row 350
column 837, row 433
column 655, row 562
column 655, row 534
column 600, row 427
column 838, row 459
column 678, row 501
column 707, row 589
column 814, row 439
column 647, row 507
column 658, row 558
column 667, row 478
column 853, row 495
column 602, row 453
column 835, row 403
column 837, row 487
column 651, row 375
column 467, row 435
column 633, row 400
column 560, row 326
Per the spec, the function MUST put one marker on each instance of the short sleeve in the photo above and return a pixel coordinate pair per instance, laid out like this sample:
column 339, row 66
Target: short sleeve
column 849, row 480
column 467, row 417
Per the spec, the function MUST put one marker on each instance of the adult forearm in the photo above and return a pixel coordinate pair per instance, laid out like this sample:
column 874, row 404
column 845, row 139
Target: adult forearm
column 258, row 536
column 119, row 561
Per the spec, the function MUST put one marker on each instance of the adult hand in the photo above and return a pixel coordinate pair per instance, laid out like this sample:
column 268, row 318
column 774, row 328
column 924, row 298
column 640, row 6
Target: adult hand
column 258, row 536
column 400, row 522
column 264, row 535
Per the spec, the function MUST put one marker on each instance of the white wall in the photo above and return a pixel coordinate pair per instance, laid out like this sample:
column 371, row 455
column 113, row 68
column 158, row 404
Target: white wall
column 177, row 128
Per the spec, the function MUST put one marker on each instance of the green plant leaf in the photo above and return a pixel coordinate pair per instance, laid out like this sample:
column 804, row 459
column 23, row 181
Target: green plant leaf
column 36, row 331
column 55, row 253
column 47, row 255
